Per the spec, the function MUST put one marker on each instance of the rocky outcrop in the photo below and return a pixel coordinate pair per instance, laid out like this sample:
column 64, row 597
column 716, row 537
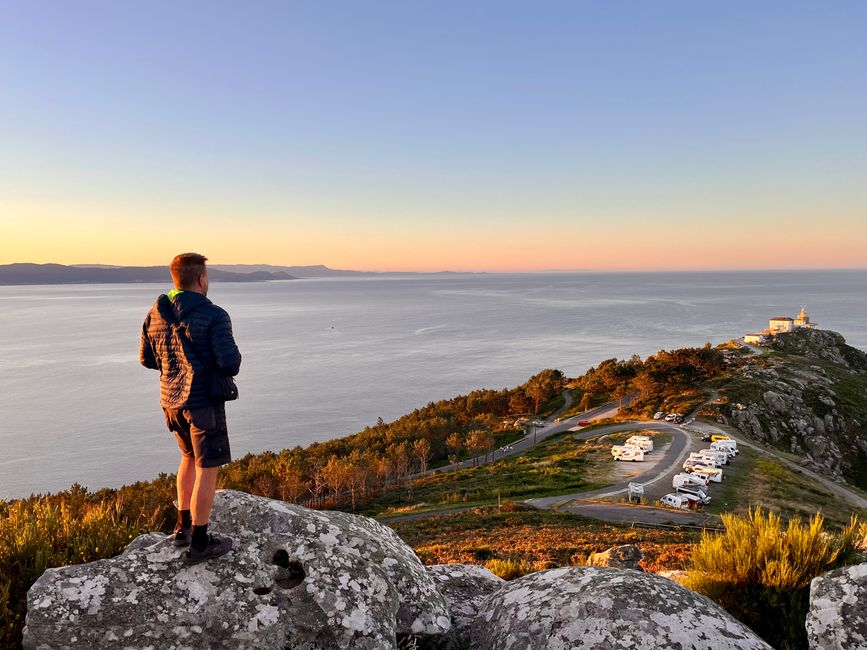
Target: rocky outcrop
column 295, row 579
column 623, row 557
column 837, row 619
column 809, row 399
column 604, row 609
column 300, row 579
column 465, row 588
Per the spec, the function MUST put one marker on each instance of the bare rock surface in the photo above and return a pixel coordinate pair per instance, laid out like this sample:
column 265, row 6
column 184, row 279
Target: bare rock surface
column 295, row 579
column 605, row 609
column 623, row 557
column 465, row 587
column 837, row 618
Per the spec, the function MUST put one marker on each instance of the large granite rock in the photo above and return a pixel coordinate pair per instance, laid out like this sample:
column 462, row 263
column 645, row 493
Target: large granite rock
column 627, row 556
column 838, row 609
column 296, row 579
column 604, row 609
column 465, row 587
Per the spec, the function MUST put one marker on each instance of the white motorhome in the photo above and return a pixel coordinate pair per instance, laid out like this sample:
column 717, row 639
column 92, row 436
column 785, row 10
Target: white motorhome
column 687, row 479
column 678, row 501
column 711, row 457
column 704, row 459
column 728, row 446
column 644, row 442
column 722, row 457
column 627, row 452
column 694, row 490
column 714, row 474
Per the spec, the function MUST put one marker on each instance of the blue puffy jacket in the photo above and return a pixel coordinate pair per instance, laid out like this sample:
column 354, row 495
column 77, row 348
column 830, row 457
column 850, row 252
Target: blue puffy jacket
column 185, row 378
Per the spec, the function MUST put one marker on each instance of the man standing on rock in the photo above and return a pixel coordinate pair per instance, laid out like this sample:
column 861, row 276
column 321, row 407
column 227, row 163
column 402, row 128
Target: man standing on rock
column 189, row 340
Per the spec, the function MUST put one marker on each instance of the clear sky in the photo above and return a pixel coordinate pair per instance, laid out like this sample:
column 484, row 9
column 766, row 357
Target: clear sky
column 435, row 135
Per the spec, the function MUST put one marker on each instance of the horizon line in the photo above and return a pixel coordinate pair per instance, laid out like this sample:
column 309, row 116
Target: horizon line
column 485, row 271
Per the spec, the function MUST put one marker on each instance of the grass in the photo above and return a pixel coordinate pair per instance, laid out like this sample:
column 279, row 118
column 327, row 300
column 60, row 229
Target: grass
column 558, row 465
column 40, row 535
column 760, row 569
column 753, row 478
column 537, row 538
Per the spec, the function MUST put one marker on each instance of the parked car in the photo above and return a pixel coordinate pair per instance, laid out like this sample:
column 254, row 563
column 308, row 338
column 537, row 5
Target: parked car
column 670, row 417
column 658, row 415
column 583, row 423
column 677, row 501
column 705, row 437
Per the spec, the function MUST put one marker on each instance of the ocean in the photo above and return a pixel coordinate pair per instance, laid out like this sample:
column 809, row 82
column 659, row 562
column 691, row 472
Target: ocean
column 324, row 358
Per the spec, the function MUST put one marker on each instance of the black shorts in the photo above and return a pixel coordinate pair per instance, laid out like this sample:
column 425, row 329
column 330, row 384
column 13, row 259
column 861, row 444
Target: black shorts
column 201, row 434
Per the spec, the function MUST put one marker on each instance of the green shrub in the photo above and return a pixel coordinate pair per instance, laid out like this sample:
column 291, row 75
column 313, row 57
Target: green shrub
column 760, row 570
column 36, row 534
column 510, row 569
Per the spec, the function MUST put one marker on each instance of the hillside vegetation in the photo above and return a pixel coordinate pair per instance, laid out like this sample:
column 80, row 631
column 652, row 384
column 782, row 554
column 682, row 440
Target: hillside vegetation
column 807, row 396
column 380, row 467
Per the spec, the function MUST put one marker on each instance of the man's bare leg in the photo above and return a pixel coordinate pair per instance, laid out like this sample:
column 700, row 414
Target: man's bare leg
column 186, row 481
column 203, row 494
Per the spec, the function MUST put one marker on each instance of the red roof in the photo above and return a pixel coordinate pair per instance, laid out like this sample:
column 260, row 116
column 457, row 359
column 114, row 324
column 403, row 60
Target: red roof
column 781, row 318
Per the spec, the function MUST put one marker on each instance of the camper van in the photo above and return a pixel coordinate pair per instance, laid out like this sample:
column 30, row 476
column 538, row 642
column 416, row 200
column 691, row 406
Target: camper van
column 705, row 459
column 728, row 446
column 695, row 491
column 715, row 437
column 644, row 442
column 714, row 474
column 678, row 501
column 716, row 458
column 687, row 479
column 722, row 457
column 627, row 452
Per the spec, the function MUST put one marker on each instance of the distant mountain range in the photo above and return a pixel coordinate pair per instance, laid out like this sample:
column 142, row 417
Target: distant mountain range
column 315, row 271
column 102, row 274
column 26, row 273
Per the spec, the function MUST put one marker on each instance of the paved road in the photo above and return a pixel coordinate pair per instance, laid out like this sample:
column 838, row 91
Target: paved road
column 661, row 472
column 626, row 513
column 540, row 433
column 845, row 493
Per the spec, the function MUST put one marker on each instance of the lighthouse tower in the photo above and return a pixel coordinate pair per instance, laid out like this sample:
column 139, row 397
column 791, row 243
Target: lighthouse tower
column 803, row 319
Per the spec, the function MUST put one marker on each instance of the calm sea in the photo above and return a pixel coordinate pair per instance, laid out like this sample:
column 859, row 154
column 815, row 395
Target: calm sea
column 325, row 357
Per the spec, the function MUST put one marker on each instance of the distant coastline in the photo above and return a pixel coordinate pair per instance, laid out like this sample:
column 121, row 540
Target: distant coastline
column 32, row 274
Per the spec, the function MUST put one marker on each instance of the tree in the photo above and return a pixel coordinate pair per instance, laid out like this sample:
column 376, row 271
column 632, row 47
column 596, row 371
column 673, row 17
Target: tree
column 542, row 387
column 477, row 441
column 422, row 450
column 455, row 444
column 400, row 458
column 620, row 392
column 518, row 403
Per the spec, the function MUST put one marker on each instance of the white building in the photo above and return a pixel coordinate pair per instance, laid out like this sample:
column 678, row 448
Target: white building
column 755, row 339
column 780, row 324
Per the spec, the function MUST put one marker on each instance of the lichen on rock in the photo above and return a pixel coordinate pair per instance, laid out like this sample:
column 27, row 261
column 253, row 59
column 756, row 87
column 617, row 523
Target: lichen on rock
column 598, row 608
column 296, row 579
column 837, row 619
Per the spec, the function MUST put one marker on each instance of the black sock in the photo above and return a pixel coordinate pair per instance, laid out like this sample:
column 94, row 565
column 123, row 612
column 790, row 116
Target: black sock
column 200, row 536
column 185, row 519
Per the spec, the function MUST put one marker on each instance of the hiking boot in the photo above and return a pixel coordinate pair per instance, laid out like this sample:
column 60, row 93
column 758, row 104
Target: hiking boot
column 182, row 536
column 216, row 547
